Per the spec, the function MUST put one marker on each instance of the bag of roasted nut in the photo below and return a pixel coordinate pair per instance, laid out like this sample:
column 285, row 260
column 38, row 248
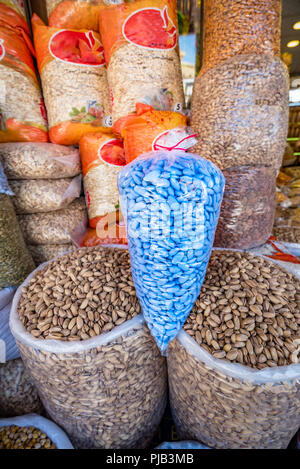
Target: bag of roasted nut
column 248, row 207
column 73, row 14
column 72, row 68
column 140, row 41
column 18, row 396
column 102, row 158
column 44, row 195
column 87, row 327
column 240, row 112
column 22, row 114
column 240, row 27
column 39, row 161
column 8, row 346
column 234, row 369
column 32, row 431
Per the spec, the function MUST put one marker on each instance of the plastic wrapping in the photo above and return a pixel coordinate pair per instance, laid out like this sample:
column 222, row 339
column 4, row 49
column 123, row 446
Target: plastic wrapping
column 12, row 13
column 248, row 207
column 18, row 396
column 240, row 112
column 149, row 130
column 181, row 445
column 226, row 404
column 113, row 394
column 53, row 227
column 22, row 116
column 171, row 203
column 8, row 346
column 140, row 41
column 73, row 14
column 44, row 195
column 245, row 27
column 102, row 158
column 73, row 73
column 46, row 252
column 39, row 161
column 56, row 434
column 15, row 260
column 105, row 234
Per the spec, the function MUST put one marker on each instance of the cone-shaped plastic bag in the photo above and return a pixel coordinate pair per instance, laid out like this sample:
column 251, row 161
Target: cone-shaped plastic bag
column 171, row 204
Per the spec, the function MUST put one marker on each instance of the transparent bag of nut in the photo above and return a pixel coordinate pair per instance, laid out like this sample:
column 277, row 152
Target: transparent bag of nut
column 18, row 396
column 240, row 112
column 114, row 390
column 49, row 430
column 248, row 207
column 229, row 405
column 44, row 195
column 245, row 27
column 39, row 160
column 140, row 41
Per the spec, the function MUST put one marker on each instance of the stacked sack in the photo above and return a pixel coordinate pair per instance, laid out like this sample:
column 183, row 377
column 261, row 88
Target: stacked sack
column 22, row 113
column 240, row 112
column 46, row 183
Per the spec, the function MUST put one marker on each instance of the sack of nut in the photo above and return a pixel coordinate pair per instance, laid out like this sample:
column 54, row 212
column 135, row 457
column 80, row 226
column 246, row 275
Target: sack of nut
column 73, row 14
column 87, row 328
column 31, row 431
column 245, row 27
column 18, row 396
column 140, row 41
column 72, row 68
column 22, row 113
column 234, row 371
column 240, row 112
column 12, row 13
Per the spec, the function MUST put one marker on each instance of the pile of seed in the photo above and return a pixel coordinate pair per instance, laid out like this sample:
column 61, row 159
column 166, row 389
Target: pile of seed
column 247, row 311
column 15, row 437
column 79, row 295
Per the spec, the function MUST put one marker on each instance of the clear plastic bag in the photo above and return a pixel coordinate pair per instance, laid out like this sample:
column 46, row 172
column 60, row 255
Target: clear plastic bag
column 22, row 116
column 171, row 204
column 114, row 390
column 15, row 260
column 18, row 396
column 181, row 445
column 227, row 404
column 140, row 41
column 240, row 112
column 73, row 73
column 56, row 434
column 44, row 195
column 39, row 161
column 53, row 227
column 46, row 252
column 245, row 27
column 248, row 207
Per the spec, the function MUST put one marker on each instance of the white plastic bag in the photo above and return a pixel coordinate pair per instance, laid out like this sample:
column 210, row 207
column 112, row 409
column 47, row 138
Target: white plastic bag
column 56, row 434
column 8, row 347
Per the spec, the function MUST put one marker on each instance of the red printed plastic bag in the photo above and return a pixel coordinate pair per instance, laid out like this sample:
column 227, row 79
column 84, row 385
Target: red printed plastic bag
column 22, row 114
column 102, row 158
column 74, row 14
column 12, row 13
column 140, row 41
column 72, row 68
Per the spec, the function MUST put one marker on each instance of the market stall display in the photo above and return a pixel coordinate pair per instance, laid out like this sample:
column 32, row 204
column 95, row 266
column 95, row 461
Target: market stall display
column 238, row 354
column 73, row 73
column 97, row 331
column 140, row 41
column 171, row 204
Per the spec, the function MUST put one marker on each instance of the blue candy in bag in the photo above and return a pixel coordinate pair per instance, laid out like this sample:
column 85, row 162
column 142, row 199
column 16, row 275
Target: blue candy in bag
column 171, row 203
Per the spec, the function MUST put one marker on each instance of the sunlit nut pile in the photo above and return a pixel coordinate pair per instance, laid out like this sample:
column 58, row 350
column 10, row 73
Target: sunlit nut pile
column 240, row 27
column 28, row 160
column 248, row 205
column 44, row 195
column 15, row 437
column 18, row 396
column 226, row 412
column 247, row 311
column 53, row 227
column 79, row 295
column 240, row 112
